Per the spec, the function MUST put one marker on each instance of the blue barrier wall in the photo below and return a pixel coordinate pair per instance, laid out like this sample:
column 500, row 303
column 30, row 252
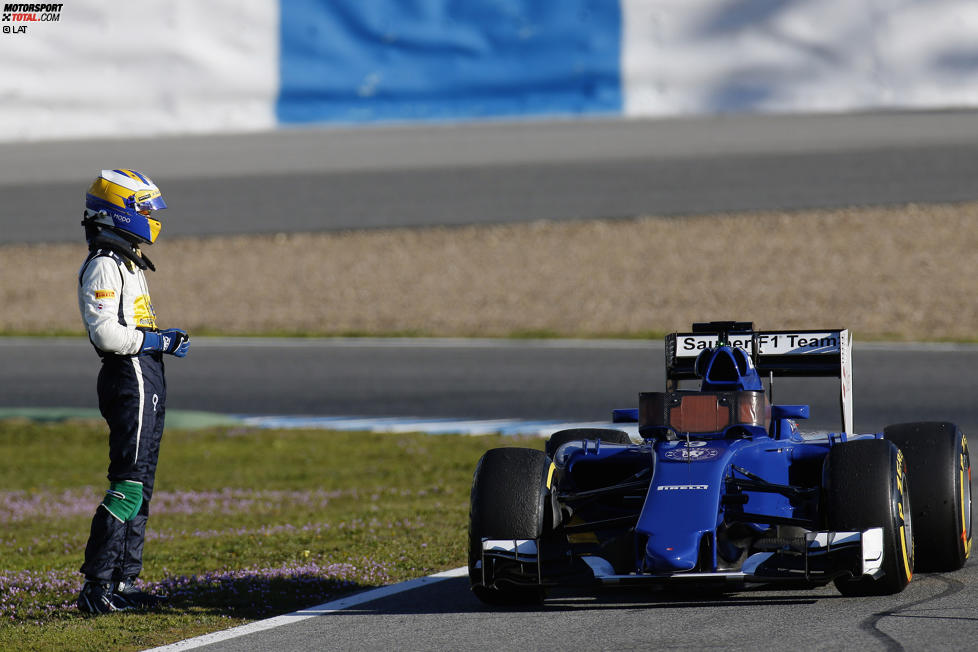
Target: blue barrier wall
column 396, row 60
column 229, row 66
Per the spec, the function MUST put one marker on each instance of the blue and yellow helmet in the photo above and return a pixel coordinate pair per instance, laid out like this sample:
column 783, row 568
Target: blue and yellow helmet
column 124, row 200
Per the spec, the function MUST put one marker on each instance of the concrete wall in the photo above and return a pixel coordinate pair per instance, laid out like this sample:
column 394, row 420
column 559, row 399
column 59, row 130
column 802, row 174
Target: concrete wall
column 113, row 67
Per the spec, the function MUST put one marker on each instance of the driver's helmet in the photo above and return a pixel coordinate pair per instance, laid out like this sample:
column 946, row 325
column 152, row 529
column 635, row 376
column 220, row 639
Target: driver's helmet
column 124, row 200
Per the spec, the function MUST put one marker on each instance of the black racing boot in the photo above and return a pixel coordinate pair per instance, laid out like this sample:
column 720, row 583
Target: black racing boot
column 126, row 593
column 97, row 598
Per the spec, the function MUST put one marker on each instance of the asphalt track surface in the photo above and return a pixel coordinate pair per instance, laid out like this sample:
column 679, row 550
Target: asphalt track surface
column 331, row 179
column 320, row 180
column 936, row 611
column 577, row 380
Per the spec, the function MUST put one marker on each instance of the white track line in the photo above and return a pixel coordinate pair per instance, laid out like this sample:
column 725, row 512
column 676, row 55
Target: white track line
column 303, row 614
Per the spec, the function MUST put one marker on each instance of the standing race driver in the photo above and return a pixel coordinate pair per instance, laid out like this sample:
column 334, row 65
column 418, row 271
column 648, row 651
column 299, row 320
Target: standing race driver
column 114, row 301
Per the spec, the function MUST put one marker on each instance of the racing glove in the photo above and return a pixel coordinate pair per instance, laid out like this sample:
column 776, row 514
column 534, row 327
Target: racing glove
column 172, row 340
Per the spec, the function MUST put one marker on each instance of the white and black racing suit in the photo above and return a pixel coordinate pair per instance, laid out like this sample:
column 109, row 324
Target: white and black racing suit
column 115, row 305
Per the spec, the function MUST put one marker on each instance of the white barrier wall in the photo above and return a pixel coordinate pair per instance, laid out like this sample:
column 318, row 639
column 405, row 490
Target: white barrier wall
column 103, row 68
column 121, row 68
column 713, row 56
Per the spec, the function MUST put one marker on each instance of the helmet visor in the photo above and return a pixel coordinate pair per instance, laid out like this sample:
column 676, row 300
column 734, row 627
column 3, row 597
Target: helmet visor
column 146, row 204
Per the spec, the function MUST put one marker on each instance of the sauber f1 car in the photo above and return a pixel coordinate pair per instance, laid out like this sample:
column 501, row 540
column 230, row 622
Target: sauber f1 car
column 724, row 490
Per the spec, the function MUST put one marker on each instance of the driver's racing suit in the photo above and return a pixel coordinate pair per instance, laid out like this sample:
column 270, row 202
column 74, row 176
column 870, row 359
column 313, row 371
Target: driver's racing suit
column 114, row 301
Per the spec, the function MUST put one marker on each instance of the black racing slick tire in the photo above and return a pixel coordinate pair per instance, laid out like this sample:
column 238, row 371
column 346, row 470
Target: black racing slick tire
column 607, row 435
column 940, row 491
column 865, row 486
column 508, row 501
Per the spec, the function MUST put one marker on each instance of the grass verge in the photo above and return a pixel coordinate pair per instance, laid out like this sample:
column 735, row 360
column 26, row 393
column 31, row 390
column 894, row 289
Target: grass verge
column 245, row 524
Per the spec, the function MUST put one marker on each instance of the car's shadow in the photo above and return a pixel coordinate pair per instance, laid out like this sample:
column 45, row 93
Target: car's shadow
column 453, row 596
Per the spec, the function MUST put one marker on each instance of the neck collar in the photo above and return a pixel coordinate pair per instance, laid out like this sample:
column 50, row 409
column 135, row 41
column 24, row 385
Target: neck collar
column 106, row 239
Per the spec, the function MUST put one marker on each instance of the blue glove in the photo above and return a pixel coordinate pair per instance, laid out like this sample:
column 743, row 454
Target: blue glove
column 172, row 340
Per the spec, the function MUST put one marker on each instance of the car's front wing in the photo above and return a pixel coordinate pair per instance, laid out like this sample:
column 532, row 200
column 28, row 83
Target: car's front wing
column 815, row 560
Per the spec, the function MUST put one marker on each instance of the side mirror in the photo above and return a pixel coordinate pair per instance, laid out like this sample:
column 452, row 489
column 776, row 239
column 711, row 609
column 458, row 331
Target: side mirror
column 789, row 411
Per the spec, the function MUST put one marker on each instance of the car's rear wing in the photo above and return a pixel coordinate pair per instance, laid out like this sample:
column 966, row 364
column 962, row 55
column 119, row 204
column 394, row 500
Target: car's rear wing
column 801, row 353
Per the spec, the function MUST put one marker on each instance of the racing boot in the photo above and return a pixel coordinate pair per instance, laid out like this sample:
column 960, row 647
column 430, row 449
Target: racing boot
column 97, row 598
column 126, row 592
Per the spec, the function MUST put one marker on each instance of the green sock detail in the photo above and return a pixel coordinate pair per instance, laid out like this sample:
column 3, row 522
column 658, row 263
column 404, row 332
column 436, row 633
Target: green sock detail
column 123, row 499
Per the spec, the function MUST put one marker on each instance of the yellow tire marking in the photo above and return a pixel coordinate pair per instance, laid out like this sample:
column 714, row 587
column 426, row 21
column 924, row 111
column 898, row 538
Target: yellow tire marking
column 903, row 529
column 965, row 539
column 903, row 548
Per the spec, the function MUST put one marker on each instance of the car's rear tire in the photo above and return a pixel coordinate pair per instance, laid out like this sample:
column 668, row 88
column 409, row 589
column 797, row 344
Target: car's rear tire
column 940, row 491
column 607, row 435
column 508, row 501
column 865, row 486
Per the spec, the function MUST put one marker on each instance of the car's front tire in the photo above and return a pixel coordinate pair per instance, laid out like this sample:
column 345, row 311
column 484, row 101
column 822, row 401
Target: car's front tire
column 940, row 491
column 865, row 486
column 508, row 501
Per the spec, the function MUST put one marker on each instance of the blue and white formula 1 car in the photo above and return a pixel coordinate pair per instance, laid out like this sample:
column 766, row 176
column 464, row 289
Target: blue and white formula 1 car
column 724, row 489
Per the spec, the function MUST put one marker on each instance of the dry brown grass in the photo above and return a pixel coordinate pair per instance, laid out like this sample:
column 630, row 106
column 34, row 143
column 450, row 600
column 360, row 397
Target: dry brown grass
column 902, row 272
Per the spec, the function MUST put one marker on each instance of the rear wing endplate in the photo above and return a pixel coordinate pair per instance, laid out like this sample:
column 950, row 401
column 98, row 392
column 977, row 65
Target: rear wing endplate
column 799, row 353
